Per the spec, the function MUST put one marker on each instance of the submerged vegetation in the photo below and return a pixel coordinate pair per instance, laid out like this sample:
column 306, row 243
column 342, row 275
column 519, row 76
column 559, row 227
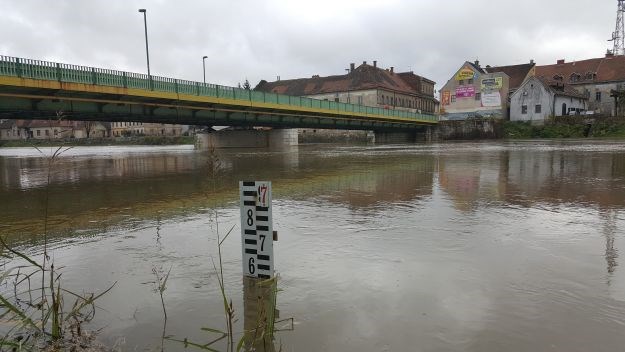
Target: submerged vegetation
column 33, row 299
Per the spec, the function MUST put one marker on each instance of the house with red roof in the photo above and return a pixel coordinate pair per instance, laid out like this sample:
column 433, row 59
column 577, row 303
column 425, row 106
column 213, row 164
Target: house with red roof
column 599, row 79
column 367, row 85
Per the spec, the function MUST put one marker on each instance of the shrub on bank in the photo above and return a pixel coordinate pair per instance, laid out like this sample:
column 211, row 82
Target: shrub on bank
column 607, row 128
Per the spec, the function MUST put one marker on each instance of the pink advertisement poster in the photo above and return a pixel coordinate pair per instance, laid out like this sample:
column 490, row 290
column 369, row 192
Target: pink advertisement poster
column 465, row 91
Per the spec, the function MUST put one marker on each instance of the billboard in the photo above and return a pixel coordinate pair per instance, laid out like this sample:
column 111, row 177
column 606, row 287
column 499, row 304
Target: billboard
column 465, row 73
column 465, row 91
column 446, row 97
column 494, row 83
column 492, row 99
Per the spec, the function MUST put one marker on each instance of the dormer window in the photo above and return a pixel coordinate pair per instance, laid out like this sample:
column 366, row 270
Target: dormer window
column 557, row 78
column 575, row 77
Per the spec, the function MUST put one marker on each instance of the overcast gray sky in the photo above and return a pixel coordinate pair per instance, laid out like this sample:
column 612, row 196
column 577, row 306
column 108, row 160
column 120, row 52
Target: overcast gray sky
column 261, row 39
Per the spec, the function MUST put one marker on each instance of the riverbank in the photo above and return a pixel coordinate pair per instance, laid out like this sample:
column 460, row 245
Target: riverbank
column 150, row 140
column 569, row 127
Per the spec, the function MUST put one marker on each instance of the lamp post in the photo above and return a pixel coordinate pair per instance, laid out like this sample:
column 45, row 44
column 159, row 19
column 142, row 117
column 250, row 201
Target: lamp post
column 147, row 52
column 204, row 67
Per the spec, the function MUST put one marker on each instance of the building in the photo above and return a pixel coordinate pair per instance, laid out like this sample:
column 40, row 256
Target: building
column 475, row 92
column 52, row 129
column 538, row 98
column 366, row 85
column 598, row 79
column 125, row 129
column 9, row 130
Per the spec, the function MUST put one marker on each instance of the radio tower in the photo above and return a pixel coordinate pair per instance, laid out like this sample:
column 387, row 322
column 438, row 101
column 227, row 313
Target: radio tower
column 618, row 36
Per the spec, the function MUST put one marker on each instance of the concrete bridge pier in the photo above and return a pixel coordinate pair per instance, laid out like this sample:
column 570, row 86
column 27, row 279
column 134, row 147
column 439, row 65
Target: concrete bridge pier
column 385, row 137
column 275, row 138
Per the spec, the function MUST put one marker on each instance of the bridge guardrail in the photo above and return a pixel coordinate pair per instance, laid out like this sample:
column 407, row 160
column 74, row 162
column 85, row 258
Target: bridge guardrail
column 46, row 70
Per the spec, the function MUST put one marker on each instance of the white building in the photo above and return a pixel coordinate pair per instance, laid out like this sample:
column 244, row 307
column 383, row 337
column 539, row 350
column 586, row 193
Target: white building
column 537, row 99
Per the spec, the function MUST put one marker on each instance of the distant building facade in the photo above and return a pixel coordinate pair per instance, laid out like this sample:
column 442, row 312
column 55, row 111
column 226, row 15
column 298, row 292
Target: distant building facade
column 52, row 129
column 597, row 79
column 474, row 91
column 124, row 129
column 366, row 85
column 538, row 98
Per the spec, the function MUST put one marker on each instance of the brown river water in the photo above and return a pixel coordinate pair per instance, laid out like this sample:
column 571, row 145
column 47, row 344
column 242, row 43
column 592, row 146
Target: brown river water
column 494, row 246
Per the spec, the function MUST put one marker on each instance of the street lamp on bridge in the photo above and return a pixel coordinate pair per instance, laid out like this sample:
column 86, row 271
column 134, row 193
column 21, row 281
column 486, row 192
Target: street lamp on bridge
column 204, row 67
column 147, row 51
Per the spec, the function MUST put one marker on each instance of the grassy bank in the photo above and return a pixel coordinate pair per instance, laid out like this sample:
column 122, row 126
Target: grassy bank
column 607, row 128
column 151, row 140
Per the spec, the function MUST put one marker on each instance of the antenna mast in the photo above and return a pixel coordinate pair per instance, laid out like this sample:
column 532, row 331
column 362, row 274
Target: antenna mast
column 618, row 36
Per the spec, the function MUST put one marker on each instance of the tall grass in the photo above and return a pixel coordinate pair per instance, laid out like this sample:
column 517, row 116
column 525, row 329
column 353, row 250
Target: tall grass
column 37, row 316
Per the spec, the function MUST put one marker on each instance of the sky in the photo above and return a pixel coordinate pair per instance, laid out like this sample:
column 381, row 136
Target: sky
column 263, row 39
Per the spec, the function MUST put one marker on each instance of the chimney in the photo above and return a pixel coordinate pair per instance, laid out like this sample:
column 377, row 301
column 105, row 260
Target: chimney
column 487, row 66
column 560, row 62
column 278, row 78
column 477, row 63
column 392, row 68
column 364, row 62
column 531, row 61
column 375, row 63
column 351, row 67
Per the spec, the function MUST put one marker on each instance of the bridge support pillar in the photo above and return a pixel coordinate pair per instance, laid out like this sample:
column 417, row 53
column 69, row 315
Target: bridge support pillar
column 381, row 137
column 285, row 137
column 275, row 138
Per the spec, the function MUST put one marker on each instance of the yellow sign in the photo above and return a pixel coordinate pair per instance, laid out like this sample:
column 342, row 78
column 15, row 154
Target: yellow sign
column 465, row 73
column 492, row 83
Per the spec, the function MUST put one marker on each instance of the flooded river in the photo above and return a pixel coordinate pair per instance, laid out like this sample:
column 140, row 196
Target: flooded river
column 498, row 246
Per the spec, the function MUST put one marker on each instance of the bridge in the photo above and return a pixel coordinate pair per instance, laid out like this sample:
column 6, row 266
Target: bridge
column 34, row 89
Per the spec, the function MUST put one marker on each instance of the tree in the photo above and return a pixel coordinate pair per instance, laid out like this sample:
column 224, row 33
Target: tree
column 247, row 85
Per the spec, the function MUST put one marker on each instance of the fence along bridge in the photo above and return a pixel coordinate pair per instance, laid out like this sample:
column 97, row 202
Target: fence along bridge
column 32, row 89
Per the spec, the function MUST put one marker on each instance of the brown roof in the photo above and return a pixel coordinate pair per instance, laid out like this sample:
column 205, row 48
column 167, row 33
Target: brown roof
column 363, row 77
column 607, row 69
column 517, row 73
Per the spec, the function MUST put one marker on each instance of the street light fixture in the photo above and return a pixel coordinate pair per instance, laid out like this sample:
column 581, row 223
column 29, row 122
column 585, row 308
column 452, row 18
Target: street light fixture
column 204, row 67
column 147, row 51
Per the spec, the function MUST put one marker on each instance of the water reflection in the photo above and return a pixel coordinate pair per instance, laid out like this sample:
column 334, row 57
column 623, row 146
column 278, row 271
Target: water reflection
column 461, row 247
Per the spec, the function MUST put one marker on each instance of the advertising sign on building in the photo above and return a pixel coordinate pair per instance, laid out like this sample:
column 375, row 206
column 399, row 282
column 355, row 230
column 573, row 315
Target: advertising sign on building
column 491, row 99
column 494, row 83
column 446, row 97
column 465, row 73
column 465, row 91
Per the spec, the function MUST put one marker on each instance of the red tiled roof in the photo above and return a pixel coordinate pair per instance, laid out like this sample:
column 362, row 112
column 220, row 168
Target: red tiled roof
column 517, row 73
column 363, row 77
column 607, row 69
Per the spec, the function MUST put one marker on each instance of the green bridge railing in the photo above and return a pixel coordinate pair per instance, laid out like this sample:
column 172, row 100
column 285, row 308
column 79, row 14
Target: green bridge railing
column 46, row 70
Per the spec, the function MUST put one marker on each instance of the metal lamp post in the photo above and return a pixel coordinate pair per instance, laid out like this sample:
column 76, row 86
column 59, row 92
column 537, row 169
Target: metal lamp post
column 204, row 67
column 147, row 51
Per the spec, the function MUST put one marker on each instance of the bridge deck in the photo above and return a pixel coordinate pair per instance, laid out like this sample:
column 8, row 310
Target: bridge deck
column 34, row 79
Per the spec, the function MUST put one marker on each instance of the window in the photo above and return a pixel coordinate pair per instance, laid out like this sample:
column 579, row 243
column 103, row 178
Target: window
column 470, row 80
column 56, row 132
column 453, row 98
column 460, row 82
column 538, row 109
column 523, row 109
column 336, row 99
column 38, row 132
column 478, row 96
column 598, row 96
column 47, row 132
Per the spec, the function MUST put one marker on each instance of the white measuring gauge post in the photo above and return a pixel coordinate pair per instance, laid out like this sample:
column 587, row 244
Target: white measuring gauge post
column 256, row 228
